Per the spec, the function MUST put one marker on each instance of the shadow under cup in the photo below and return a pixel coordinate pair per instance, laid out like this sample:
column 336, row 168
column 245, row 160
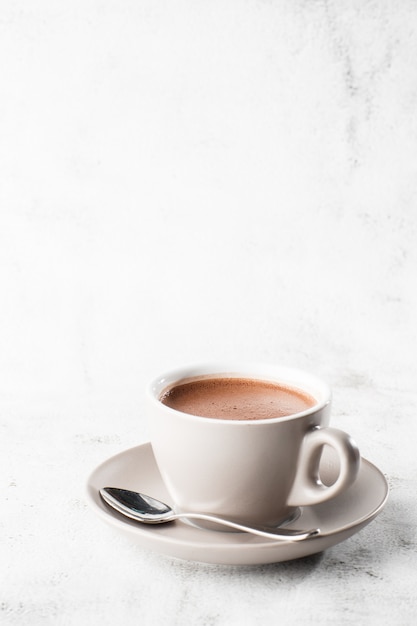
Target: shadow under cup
column 254, row 471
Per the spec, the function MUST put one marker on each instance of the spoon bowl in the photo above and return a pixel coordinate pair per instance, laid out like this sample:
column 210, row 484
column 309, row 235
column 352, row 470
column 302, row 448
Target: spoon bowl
column 148, row 510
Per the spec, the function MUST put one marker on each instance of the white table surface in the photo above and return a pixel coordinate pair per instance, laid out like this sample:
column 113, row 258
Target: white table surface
column 188, row 181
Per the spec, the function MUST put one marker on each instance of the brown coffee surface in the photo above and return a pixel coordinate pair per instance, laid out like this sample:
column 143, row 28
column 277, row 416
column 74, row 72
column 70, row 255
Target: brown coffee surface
column 236, row 399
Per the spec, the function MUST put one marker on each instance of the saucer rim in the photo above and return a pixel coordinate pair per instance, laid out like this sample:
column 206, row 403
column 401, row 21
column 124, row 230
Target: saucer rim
column 171, row 545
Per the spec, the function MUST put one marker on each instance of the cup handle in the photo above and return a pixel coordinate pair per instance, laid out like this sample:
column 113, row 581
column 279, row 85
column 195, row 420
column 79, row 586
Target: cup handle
column 308, row 488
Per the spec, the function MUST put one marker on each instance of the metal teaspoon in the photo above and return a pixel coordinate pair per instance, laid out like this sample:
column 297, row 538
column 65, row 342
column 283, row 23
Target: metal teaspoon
column 148, row 510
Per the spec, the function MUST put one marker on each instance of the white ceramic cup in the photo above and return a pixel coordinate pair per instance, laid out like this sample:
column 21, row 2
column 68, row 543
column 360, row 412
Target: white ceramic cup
column 257, row 471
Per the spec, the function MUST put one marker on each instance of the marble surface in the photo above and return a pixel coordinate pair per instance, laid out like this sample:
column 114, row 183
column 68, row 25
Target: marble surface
column 186, row 181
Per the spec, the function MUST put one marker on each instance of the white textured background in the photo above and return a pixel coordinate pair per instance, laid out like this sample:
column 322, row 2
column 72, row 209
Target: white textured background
column 183, row 181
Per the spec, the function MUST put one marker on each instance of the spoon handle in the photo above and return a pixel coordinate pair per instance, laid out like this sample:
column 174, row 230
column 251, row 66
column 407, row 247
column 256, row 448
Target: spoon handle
column 282, row 534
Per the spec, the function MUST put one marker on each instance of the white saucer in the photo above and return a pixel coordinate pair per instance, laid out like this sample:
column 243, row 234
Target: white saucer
column 337, row 519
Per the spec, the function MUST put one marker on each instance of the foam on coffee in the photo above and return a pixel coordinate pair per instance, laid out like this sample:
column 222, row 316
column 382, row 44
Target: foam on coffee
column 236, row 398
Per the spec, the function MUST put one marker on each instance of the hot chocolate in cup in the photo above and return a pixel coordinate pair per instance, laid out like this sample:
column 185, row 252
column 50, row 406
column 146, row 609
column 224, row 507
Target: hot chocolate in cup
column 245, row 441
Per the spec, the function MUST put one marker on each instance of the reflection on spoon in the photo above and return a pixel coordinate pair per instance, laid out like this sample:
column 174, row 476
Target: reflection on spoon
column 147, row 510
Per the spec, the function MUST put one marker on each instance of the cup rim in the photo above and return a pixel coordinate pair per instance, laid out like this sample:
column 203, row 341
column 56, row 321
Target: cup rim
column 311, row 383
